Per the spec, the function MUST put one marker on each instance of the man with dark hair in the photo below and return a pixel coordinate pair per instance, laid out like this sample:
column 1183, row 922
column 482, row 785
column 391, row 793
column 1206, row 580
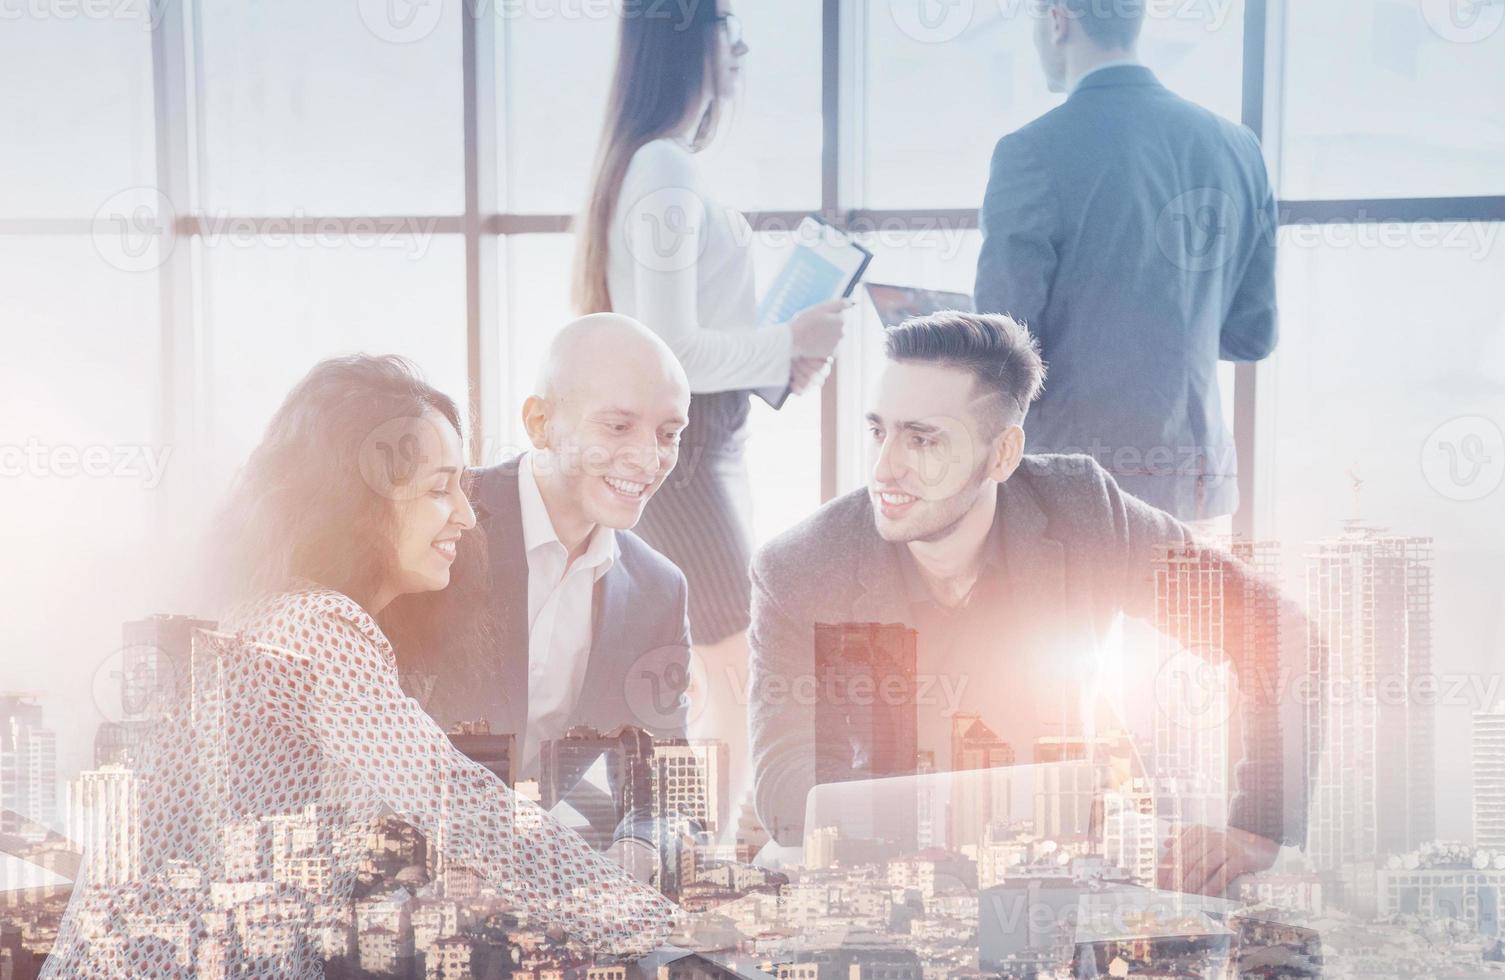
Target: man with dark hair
column 1012, row 569
column 1133, row 233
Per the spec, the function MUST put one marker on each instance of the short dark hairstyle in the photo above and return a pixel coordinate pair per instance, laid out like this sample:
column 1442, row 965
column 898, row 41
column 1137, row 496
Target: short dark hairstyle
column 1001, row 354
column 1113, row 24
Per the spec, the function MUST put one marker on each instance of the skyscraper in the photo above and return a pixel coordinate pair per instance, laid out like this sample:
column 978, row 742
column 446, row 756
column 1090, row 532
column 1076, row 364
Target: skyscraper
column 1489, row 778
column 596, row 780
column 1202, row 630
column 866, row 700
column 28, row 767
column 867, row 722
column 156, row 663
column 980, row 800
column 104, row 819
column 476, row 741
column 1369, row 600
column 689, row 779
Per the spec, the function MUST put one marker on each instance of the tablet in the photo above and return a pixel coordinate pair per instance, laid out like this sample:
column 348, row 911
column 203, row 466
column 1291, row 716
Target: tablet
column 895, row 304
column 824, row 265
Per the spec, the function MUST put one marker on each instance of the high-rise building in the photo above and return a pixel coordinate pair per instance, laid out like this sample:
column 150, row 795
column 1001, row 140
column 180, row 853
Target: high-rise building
column 1369, row 601
column 476, row 742
column 1068, row 798
column 689, row 780
column 867, row 722
column 980, row 800
column 1489, row 779
column 28, row 768
column 820, row 848
column 1206, row 622
column 1130, row 835
column 866, row 700
column 104, row 820
column 592, row 781
column 156, row 664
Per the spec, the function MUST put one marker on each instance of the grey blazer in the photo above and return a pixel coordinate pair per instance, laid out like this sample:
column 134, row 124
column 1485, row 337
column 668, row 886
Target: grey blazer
column 1076, row 551
column 1133, row 232
column 637, row 673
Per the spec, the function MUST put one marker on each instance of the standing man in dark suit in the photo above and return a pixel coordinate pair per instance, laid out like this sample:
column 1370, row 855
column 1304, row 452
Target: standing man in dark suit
column 563, row 617
column 1013, row 570
column 1133, row 232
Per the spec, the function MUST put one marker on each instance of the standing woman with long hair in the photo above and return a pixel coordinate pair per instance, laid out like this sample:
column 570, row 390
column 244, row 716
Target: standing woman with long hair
column 654, row 244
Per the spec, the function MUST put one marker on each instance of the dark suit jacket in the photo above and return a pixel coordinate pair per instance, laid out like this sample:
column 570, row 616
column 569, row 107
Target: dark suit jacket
column 640, row 634
column 1133, row 232
column 1076, row 551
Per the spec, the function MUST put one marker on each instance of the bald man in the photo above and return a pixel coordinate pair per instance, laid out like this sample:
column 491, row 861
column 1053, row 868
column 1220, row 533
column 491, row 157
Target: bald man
column 585, row 624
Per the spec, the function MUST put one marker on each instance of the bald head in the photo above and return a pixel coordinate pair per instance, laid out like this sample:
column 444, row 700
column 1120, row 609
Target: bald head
column 604, row 349
column 605, row 421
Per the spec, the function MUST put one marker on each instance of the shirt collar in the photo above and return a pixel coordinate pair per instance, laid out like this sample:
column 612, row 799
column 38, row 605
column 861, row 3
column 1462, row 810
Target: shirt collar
column 538, row 529
column 1118, row 63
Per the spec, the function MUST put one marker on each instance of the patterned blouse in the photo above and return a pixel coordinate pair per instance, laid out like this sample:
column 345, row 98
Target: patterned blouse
column 257, row 794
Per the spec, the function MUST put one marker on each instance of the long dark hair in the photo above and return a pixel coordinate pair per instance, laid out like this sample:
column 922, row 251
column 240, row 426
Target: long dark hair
column 663, row 62
column 300, row 509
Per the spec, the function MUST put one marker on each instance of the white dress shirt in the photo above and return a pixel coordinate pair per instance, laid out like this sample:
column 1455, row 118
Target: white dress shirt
column 682, row 263
column 560, row 595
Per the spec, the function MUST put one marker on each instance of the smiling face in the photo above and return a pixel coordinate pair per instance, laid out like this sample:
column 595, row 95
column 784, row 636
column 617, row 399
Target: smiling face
column 431, row 508
column 930, row 451
column 608, row 428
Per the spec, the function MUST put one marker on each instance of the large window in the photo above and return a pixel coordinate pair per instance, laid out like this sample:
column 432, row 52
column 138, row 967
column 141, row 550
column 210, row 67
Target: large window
column 330, row 109
column 84, row 141
column 1384, row 406
column 317, row 198
column 1410, row 103
column 919, row 150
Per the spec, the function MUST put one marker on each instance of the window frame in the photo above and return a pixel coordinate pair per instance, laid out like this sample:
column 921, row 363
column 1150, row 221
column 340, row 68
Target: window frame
column 176, row 57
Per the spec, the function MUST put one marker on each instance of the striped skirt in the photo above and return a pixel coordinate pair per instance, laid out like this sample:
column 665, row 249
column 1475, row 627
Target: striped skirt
column 700, row 517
